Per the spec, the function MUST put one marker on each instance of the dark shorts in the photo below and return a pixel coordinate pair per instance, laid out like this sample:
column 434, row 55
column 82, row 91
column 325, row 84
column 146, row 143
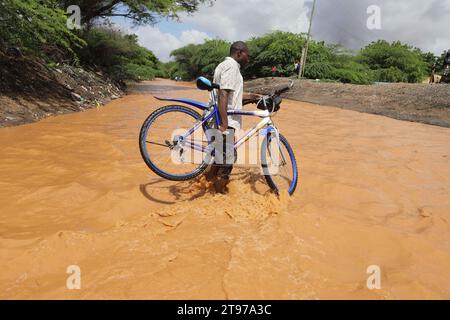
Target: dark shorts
column 225, row 167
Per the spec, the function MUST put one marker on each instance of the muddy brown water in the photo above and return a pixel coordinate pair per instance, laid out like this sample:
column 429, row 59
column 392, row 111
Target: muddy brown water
column 373, row 191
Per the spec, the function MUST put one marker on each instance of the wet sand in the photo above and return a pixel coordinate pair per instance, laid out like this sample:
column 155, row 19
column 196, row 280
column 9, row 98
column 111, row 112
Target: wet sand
column 373, row 191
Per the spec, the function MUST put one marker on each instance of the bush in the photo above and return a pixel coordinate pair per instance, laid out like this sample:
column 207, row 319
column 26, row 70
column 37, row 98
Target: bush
column 33, row 25
column 391, row 74
column 394, row 62
column 319, row 70
column 379, row 61
column 200, row 60
column 350, row 71
column 172, row 70
column 280, row 49
column 119, row 55
column 350, row 76
column 131, row 71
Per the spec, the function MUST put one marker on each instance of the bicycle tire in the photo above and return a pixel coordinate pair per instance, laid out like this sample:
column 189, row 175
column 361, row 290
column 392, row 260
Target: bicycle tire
column 143, row 143
column 266, row 173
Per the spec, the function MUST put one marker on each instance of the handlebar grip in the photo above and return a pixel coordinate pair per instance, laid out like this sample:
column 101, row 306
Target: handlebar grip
column 248, row 101
column 282, row 90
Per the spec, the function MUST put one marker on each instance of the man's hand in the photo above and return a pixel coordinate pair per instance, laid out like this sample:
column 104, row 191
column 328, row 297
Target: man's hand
column 223, row 127
column 257, row 96
column 252, row 96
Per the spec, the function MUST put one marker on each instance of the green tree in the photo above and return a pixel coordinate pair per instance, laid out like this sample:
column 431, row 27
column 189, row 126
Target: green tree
column 352, row 72
column 431, row 60
column 280, row 49
column 171, row 70
column 394, row 62
column 319, row 62
column 140, row 11
column 379, row 61
column 209, row 55
column 346, row 68
column 440, row 62
column 34, row 24
column 200, row 60
column 185, row 61
column 119, row 55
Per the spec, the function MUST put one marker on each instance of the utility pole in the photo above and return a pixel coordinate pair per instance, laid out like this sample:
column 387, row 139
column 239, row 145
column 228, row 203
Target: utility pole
column 305, row 49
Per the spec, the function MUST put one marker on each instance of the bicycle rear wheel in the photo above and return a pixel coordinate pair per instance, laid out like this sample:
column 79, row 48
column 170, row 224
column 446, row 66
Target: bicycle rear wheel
column 279, row 164
column 164, row 148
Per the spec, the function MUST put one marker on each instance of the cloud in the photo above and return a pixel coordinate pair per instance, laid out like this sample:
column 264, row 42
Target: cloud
column 230, row 20
column 193, row 36
column 239, row 20
column 421, row 23
column 162, row 43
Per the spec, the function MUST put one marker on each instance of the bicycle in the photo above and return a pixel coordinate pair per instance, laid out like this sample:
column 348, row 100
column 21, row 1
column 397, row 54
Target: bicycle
column 276, row 152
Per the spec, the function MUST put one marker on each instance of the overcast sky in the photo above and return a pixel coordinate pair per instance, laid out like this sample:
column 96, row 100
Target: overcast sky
column 422, row 23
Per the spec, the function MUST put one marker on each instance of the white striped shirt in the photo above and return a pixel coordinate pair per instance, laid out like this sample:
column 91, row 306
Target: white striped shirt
column 228, row 76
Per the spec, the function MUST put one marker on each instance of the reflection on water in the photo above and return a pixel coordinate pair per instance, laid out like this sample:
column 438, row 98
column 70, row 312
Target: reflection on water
column 373, row 191
column 159, row 87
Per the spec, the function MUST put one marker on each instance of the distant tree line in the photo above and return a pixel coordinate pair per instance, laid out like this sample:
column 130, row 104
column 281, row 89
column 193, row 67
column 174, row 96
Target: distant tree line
column 379, row 61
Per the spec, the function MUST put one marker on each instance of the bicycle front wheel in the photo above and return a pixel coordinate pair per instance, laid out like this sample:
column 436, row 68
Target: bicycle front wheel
column 279, row 164
column 167, row 147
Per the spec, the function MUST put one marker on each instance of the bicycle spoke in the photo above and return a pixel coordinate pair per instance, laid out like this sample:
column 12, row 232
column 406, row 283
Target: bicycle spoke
column 160, row 155
column 158, row 144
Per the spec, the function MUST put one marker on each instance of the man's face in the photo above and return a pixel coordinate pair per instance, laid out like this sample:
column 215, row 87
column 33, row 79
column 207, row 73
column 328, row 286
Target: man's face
column 243, row 57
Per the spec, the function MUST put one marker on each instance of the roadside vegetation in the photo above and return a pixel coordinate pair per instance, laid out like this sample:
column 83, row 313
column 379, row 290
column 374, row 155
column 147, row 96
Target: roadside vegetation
column 378, row 62
column 38, row 28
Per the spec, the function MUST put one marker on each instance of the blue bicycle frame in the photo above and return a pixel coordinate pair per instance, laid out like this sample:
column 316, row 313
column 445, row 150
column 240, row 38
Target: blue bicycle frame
column 214, row 112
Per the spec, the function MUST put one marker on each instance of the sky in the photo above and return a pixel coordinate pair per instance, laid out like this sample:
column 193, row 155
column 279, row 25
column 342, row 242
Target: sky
column 421, row 23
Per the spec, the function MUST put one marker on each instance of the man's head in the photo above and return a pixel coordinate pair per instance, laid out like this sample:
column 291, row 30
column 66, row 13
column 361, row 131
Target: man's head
column 239, row 52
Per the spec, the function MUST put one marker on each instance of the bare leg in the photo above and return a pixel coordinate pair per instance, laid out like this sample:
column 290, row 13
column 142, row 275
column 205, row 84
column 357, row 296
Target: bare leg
column 212, row 174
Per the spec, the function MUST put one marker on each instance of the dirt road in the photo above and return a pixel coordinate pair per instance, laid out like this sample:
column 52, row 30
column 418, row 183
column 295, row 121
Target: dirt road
column 416, row 102
column 372, row 191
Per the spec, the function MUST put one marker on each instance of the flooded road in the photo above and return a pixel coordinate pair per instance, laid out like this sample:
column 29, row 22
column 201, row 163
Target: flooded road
column 373, row 191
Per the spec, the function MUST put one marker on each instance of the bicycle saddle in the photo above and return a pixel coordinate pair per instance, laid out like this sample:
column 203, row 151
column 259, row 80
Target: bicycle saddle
column 205, row 84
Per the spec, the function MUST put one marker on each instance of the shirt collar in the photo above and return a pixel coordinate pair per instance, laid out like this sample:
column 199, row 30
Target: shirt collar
column 232, row 59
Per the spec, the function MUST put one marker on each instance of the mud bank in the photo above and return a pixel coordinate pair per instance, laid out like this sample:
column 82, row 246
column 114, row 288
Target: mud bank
column 31, row 90
column 424, row 103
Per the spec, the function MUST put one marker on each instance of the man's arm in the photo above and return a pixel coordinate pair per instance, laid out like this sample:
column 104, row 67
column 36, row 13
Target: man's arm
column 223, row 109
column 223, row 105
column 251, row 96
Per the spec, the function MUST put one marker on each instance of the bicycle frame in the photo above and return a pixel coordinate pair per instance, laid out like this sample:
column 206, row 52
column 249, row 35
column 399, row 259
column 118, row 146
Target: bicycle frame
column 265, row 122
column 182, row 140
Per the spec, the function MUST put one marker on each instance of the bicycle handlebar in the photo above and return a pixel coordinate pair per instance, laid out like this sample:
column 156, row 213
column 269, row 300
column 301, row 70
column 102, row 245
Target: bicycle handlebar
column 281, row 91
column 272, row 95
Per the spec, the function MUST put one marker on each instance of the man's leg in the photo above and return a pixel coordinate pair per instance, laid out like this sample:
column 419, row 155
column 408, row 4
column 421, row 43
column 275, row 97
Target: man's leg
column 223, row 170
column 212, row 173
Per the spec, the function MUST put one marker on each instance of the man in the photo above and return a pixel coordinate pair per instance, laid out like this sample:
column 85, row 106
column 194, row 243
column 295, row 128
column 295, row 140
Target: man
column 297, row 68
column 447, row 63
column 274, row 72
column 231, row 95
